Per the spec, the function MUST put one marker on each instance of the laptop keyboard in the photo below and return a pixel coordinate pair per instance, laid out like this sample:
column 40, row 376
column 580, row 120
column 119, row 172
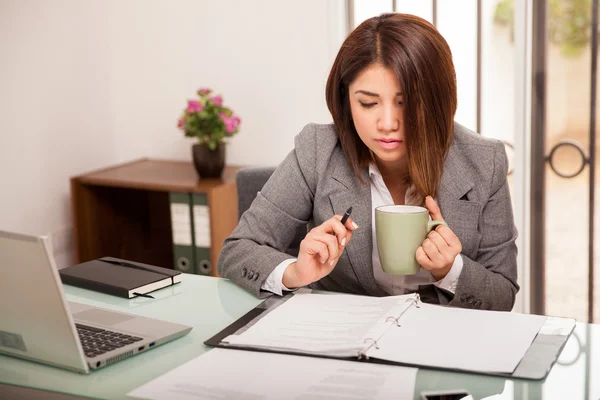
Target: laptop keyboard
column 96, row 341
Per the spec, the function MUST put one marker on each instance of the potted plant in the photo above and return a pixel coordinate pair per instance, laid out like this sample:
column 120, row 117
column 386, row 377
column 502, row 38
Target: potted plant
column 208, row 120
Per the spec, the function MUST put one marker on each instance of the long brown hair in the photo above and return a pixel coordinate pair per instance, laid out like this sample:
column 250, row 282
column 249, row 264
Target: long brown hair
column 421, row 60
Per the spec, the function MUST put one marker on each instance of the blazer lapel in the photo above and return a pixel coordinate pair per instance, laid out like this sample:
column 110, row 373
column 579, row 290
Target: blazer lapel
column 456, row 180
column 460, row 201
column 352, row 193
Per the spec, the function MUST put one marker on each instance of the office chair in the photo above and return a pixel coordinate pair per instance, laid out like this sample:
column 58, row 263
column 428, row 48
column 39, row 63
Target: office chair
column 249, row 181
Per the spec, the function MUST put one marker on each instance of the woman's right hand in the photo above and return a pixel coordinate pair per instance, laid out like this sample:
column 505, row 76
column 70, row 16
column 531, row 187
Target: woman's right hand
column 319, row 252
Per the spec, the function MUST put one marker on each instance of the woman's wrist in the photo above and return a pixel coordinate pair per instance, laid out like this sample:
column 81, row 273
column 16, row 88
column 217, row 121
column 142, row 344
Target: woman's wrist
column 289, row 278
column 441, row 273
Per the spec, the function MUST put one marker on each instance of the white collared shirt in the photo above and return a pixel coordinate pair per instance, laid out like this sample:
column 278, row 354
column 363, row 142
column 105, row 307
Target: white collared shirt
column 391, row 284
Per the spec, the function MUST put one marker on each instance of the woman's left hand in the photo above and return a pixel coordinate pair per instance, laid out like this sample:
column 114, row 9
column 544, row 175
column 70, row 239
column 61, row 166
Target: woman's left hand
column 440, row 248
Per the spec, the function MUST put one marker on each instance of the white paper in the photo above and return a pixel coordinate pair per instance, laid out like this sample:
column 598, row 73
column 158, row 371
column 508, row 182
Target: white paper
column 247, row 375
column 324, row 323
column 472, row 340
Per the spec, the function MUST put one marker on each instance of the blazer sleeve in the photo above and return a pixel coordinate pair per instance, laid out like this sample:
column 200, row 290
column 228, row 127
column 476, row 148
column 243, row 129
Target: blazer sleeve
column 268, row 227
column 490, row 281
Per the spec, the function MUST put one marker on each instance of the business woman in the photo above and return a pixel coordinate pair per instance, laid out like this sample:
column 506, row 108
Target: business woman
column 392, row 95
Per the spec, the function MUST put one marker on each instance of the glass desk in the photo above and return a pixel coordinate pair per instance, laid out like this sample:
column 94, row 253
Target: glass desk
column 209, row 304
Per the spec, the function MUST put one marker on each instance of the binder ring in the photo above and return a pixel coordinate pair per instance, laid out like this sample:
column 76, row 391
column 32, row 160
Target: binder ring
column 183, row 264
column 397, row 320
column 416, row 301
column 204, row 267
column 374, row 342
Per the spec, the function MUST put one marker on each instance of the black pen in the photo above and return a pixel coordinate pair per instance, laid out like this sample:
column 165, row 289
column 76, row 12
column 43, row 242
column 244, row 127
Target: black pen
column 346, row 216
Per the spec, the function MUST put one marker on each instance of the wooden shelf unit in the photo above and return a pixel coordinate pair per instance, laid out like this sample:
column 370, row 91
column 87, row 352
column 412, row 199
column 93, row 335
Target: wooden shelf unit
column 124, row 211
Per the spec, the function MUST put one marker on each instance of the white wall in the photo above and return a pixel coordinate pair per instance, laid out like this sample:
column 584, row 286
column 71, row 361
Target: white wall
column 55, row 114
column 269, row 58
column 87, row 84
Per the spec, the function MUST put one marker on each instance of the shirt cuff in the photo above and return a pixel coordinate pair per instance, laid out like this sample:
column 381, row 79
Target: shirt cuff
column 450, row 281
column 274, row 282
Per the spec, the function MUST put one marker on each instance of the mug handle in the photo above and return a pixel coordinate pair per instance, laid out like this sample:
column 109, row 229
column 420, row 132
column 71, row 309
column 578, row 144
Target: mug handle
column 431, row 225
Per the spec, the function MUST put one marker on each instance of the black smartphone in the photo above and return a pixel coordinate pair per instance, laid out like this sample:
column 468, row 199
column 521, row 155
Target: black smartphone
column 445, row 395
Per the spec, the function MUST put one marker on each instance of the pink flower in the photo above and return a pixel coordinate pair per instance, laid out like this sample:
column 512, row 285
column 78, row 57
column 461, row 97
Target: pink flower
column 204, row 91
column 231, row 123
column 217, row 100
column 180, row 123
column 235, row 122
column 194, row 106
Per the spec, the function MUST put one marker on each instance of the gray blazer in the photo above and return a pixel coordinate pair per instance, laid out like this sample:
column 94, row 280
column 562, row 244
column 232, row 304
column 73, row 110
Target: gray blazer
column 315, row 181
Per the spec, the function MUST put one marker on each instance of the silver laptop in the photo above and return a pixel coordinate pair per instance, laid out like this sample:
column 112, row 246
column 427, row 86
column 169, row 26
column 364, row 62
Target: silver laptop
column 38, row 324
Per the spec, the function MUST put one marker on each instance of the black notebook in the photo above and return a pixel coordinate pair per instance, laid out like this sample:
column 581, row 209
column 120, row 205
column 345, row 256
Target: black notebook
column 119, row 277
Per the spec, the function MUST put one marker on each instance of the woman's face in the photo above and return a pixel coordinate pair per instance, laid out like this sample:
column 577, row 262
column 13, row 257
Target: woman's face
column 377, row 112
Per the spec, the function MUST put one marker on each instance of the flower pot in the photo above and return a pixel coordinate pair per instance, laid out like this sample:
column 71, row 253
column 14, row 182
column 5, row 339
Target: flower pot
column 209, row 163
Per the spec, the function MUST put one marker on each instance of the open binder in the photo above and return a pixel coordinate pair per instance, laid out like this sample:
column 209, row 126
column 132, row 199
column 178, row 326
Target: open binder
column 401, row 330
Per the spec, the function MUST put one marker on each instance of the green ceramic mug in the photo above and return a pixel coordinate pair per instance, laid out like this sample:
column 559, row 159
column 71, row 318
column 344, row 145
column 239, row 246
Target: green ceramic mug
column 400, row 231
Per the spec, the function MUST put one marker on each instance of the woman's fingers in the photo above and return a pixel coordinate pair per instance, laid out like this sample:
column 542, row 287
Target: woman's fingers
column 333, row 248
column 315, row 248
column 422, row 259
column 342, row 231
column 432, row 251
column 321, row 249
column 449, row 237
column 348, row 238
column 439, row 241
column 350, row 224
column 447, row 251
column 332, row 234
